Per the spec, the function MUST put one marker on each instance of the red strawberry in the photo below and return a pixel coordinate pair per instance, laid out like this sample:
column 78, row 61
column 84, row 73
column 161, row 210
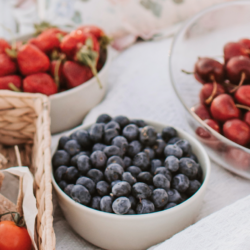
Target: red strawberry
column 4, row 45
column 7, row 66
column 32, row 60
column 76, row 74
column 58, row 77
column 5, row 82
column 48, row 40
column 39, row 83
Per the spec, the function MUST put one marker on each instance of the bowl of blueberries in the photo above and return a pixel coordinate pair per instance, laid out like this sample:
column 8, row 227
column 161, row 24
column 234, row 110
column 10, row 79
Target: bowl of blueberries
column 129, row 184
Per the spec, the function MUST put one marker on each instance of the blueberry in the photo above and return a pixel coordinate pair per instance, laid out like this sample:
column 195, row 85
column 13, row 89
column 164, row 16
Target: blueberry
column 164, row 171
column 193, row 157
column 122, row 120
column 193, row 187
column 161, row 181
column 185, row 146
column 184, row 197
column 111, row 150
column 138, row 123
column 180, row 182
column 168, row 133
column 95, row 174
column 121, row 205
column 106, row 204
column 130, row 132
column 150, row 152
column 174, row 196
column 71, row 174
column 115, row 159
column 145, row 207
column 103, row 118
column 188, row 167
column 72, row 147
column 172, row 163
column 173, row 140
column 73, row 136
column 121, row 188
column 131, row 211
column 98, row 146
column 120, row 142
column 73, row 161
column 152, row 187
column 83, row 138
column 173, row 150
column 141, row 160
column 148, row 135
column 61, row 157
column 86, row 182
column 134, row 170
column 112, row 125
column 102, row 188
column 141, row 190
column 114, row 182
column 68, row 188
column 127, row 161
column 159, row 147
column 98, row 159
column 128, row 177
column 60, row 172
column 155, row 163
column 170, row 205
column 95, row 203
column 134, row 148
column 62, row 184
column 159, row 136
column 160, row 197
column 200, row 173
column 83, row 164
column 62, row 141
column 96, row 132
column 109, row 135
column 80, row 194
column 132, row 201
column 145, row 177
column 113, row 172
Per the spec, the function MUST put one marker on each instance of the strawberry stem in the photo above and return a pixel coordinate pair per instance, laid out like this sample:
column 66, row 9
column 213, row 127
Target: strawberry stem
column 104, row 41
column 14, row 87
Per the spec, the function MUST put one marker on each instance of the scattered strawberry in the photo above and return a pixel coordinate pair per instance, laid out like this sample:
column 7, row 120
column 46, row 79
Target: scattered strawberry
column 4, row 45
column 40, row 83
column 48, row 40
column 7, row 66
column 76, row 74
column 7, row 82
column 32, row 60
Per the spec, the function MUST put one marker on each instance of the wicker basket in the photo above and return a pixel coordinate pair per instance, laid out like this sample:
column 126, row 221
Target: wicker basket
column 24, row 120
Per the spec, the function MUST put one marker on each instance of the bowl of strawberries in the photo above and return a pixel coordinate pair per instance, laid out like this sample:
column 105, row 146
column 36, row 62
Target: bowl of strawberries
column 69, row 67
column 210, row 72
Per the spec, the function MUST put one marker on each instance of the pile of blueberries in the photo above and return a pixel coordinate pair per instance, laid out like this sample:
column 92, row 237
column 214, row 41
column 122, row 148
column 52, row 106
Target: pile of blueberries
column 124, row 166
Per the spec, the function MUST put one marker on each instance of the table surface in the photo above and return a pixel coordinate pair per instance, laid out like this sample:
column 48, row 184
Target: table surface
column 140, row 87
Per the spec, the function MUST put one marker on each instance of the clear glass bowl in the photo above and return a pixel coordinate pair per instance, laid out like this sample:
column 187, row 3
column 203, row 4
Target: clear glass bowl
column 205, row 35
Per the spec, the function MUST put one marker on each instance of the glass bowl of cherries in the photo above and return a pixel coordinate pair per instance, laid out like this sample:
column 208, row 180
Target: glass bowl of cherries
column 210, row 72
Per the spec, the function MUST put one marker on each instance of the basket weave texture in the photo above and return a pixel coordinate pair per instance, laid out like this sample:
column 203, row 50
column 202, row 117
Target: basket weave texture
column 25, row 121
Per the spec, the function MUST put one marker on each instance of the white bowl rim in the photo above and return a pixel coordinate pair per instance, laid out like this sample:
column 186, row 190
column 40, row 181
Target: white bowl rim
column 142, row 216
column 187, row 24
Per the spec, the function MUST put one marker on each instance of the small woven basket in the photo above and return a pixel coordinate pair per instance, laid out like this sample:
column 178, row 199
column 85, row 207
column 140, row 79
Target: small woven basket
column 25, row 121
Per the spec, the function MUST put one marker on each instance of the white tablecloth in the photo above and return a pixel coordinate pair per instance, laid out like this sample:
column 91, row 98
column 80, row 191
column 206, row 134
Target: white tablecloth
column 139, row 86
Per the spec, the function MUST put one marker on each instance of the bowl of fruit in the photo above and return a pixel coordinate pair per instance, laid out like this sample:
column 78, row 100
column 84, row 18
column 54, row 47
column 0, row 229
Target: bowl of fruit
column 129, row 184
column 69, row 67
column 210, row 72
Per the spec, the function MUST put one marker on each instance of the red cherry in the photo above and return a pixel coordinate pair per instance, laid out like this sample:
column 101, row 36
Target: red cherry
column 247, row 118
column 223, row 108
column 238, row 158
column 234, row 49
column 213, row 124
column 208, row 70
column 242, row 95
column 202, row 111
column 245, row 42
column 237, row 131
column 206, row 93
column 235, row 68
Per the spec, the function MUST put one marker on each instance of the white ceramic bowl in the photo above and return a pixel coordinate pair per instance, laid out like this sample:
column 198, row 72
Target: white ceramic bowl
column 68, row 108
column 135, row 232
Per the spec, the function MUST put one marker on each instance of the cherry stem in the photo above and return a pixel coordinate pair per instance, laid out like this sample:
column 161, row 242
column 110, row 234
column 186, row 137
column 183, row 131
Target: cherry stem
column 211, row 97
column 242, row 79
column 187, row 72
column 14, row 87
column 242, row 107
